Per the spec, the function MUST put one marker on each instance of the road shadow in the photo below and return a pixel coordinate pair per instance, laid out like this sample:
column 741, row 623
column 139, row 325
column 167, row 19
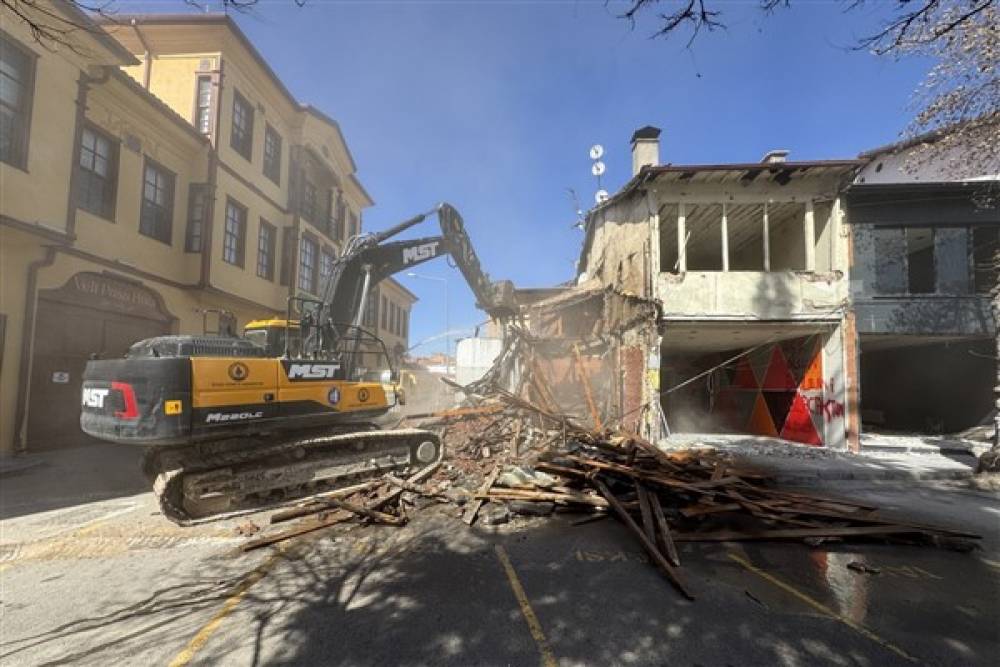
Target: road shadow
column 70, row 477
column 437, row 593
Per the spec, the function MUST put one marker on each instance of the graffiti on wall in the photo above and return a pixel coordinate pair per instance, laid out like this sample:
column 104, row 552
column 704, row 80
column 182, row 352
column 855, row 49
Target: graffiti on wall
column 778, row 391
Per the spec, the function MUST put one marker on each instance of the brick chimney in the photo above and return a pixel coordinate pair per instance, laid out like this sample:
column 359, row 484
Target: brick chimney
column 645, row 148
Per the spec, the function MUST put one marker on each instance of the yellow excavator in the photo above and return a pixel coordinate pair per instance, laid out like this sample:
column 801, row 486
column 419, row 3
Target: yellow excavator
column 290, row 408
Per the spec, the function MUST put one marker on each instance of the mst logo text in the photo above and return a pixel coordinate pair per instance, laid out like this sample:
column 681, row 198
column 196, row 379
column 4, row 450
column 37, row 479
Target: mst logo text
column 312, row 371
column 94, row 398
column 420, row 252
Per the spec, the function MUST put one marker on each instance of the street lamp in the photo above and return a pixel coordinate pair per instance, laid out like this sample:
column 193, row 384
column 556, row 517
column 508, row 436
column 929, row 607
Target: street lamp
column 447, row 319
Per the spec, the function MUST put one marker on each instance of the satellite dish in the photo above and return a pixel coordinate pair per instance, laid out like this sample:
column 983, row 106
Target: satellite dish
column 596, row 151
column 597, row 168
column 601, row 196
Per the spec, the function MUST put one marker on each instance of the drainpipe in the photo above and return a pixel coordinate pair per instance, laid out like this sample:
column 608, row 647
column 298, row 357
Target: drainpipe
column 147, row 65
column 27, row 336
column 208, row 224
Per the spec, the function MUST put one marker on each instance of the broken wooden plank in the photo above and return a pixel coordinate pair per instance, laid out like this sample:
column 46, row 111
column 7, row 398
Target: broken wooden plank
column 414, row 488
column 544, row 496
column 665, row 536
column 700, row 509
column 309, row 526
column 798, row 533
column 374, row 515
column 473, row 510
column 650, row 547
column 301, row 528
column 645, row 511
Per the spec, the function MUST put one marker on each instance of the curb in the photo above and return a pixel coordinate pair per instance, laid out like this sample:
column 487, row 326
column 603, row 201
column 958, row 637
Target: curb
column 866, row 475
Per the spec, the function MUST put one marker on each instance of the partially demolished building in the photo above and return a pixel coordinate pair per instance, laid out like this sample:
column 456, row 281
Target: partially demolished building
column 768, row 299
column 748, row 267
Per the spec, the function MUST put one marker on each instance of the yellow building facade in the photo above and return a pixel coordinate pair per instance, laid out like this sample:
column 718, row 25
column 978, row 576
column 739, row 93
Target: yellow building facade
column 155, row 178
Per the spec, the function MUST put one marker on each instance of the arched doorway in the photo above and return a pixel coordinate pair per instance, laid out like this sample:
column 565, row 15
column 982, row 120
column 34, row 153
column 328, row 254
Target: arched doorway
column 92, row 313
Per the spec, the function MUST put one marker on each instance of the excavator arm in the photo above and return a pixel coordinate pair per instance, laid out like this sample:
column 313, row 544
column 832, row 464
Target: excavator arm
column 369, row 259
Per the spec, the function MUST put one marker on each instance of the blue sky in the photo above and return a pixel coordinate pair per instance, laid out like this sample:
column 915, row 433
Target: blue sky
column 492, row 106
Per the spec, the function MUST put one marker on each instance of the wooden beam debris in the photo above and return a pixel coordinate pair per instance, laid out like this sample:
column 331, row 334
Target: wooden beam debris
column 470, row 514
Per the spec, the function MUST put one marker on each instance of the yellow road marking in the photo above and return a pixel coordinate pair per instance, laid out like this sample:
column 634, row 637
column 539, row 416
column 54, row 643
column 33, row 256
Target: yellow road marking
column 820, row 607
column 207, row 630
column 548, row 658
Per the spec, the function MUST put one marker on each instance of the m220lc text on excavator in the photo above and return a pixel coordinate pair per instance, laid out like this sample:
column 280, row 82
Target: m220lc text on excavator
column 234, row 424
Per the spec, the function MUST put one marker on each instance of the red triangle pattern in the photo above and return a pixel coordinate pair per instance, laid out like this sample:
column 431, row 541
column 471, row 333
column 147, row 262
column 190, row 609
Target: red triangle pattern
column 760, row 421
column 743, row 377
column 799, row 425
column 778, row 376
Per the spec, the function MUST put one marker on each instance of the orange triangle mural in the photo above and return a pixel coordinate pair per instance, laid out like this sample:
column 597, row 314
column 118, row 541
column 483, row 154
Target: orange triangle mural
column 743, row 377
column 760, row 420
column 778, row 376
column 799, row 424
column 813, row 378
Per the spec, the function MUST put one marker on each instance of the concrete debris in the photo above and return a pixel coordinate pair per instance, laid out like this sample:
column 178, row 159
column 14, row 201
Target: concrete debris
column 515, row 476
column 496, row 515
column 531, row 508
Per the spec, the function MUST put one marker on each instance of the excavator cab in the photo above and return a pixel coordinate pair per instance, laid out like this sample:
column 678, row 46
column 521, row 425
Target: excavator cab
column 271, row 334
column 306, row 334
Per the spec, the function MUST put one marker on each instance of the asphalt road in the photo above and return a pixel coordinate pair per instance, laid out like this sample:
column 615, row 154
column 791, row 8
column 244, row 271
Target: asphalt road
column 111, row 582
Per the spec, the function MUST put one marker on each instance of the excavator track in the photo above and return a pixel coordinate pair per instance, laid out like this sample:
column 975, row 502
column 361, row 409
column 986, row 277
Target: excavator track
column 216, row 480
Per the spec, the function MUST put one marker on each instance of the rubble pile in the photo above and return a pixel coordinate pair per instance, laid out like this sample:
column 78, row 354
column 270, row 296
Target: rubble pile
column 548, row 430
column 508, row 457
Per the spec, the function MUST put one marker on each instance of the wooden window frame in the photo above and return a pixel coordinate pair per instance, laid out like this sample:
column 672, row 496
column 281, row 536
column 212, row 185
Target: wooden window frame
column 24, row 141
column 194, row 241
column 385, row 313
column 270, row 169
column 241, row 236
column 311, row 271
column 150, row 163
column 207, row 108
column 265, row 256
column 234, row 141
column 109, row 198
column 309, row 212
